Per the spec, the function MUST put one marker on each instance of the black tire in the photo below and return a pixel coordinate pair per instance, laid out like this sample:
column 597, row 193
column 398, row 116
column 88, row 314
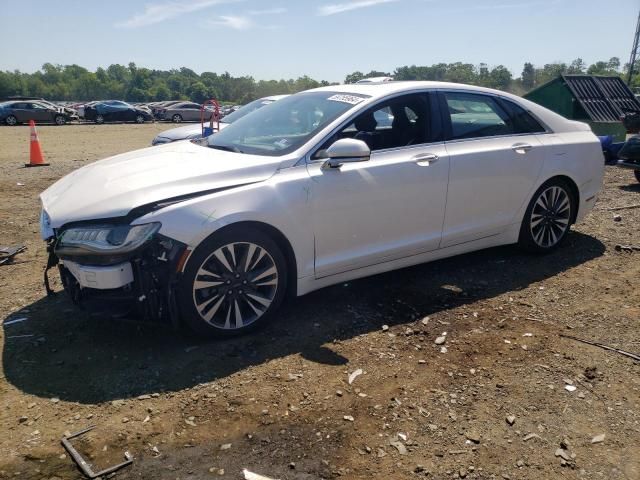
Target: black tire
column 99, row 119
column 224, row 294
column 139, row 118
column 544, row 229
column 11, row 120
column 637, row 174
column 59, row 120
column 177, row 118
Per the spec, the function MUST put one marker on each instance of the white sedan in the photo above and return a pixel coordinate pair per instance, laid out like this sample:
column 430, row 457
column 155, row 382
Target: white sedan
column 311, row 191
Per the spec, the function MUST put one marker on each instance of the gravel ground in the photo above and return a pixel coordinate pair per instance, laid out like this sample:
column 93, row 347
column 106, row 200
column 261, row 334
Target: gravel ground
column 494, row 398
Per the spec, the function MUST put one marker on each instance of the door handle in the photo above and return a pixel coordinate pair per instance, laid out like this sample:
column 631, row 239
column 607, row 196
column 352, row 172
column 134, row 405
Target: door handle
column 425, row 159
column 521, row 148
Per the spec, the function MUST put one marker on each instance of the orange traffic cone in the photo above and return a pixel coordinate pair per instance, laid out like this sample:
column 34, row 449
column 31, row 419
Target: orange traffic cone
column 36, row 159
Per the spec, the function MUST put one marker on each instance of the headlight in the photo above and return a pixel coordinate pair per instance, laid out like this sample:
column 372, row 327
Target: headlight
column 107, row 239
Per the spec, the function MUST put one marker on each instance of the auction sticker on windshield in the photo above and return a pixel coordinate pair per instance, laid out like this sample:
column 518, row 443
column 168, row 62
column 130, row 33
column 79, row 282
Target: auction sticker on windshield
column 352, row 99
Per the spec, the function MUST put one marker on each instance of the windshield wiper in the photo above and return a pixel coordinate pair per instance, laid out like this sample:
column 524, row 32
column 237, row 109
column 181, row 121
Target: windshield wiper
column 226, row 148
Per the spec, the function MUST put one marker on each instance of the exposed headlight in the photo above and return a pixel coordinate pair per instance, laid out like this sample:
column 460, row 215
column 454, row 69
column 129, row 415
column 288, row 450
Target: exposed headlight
column 46, row 231
column 107, row 239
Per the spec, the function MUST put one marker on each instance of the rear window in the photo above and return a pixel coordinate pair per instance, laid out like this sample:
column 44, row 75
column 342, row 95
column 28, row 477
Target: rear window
column 523, row 121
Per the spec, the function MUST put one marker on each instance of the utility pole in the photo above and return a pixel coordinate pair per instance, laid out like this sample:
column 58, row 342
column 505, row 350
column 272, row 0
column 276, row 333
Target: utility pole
column 634, row 51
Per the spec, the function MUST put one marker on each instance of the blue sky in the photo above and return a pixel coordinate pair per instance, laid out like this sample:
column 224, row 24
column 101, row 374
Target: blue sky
column 325, row 39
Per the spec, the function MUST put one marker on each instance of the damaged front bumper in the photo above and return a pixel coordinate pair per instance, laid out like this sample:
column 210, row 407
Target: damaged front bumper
column 141, row 283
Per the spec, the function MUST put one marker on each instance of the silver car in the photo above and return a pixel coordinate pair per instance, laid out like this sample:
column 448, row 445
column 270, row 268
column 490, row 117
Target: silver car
column 189, row 132
column 184, row 112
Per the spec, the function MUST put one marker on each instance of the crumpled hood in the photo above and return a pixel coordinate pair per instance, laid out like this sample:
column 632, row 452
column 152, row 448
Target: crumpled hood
column 114, row 186
column 187, row 131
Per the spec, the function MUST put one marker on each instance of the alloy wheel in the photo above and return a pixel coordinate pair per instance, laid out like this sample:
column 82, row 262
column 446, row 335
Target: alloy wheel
column 235, row 285
column 11, row 120
column 550, row 217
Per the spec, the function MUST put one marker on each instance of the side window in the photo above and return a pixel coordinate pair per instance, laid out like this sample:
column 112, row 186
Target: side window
column 523, row 121
column 474, row 116
column 399, row 122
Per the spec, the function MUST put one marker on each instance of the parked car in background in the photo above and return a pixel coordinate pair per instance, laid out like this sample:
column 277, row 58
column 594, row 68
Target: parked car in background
column 71, row 112
column 157, row 106
column 195, row 131
column 17, row 112
column 308, row 192
column 183, row 112
column 115, row 111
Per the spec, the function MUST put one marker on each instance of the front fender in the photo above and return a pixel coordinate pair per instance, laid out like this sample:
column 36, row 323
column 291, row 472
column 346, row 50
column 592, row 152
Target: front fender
column 282, row 202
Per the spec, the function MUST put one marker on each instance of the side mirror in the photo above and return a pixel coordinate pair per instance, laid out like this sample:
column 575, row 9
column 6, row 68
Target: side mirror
column 346, row 150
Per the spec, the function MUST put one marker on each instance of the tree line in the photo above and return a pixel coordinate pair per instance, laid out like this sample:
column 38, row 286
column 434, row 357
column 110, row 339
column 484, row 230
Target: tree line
column 138, row 84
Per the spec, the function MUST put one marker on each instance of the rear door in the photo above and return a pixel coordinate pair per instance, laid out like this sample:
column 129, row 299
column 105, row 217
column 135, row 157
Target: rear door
column 495, row 162
column 21, row 111
column 191, row 112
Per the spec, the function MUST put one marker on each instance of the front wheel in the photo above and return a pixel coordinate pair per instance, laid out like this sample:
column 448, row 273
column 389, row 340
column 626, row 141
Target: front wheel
column 637, row 174
column 548, row 217
column 99, row 119
column 59, row 120
column 139, row 119
column 176, row 118
column 233, row 283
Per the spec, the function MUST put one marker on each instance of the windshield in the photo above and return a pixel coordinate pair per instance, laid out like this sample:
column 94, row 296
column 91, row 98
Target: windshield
column 248, row 108
column 285, row 125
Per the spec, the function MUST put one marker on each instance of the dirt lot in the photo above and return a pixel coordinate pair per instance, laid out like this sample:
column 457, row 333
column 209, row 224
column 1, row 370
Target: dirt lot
column 279, row 402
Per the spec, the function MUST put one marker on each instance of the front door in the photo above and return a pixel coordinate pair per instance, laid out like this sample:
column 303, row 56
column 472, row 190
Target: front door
column 390, row 206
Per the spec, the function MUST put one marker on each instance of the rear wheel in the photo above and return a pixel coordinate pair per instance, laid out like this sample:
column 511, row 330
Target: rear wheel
column 11, row 120
column 99, row 119
column 548, row 217
column 637, row 174
column 59, row 120
column 233, row 283
column 139, row 118
column 177, row 118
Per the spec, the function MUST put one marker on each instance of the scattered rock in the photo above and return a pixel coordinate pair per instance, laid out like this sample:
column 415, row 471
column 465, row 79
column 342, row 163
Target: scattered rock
column 598, row 438
column 23, row 419
column 385, row 328
column 473, row 436
column 562, row 453
column 617, row 218
column 402, row 450
column 354, row 375
column 570, row 388
column 225, row 446
column 441, row 339
column 348, row 418
column 511, row 419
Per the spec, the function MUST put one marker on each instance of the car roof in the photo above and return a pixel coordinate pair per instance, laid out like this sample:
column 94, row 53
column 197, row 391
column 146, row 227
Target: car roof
column 274, row 97
column 381, row 89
